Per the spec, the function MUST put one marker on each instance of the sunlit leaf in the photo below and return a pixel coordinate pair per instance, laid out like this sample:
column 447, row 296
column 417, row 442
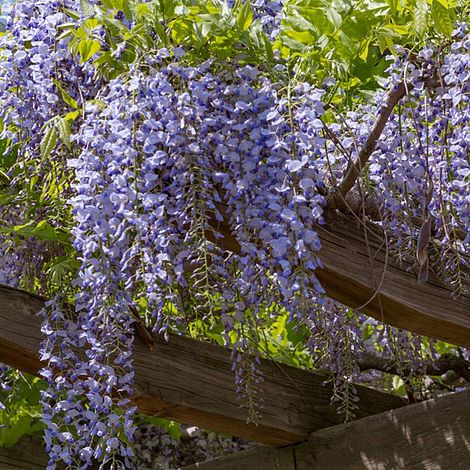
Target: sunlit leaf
column 48, row 142
column 245, row 16
column 441, row 18
column 420, row 19
column 64, row 130
column 87, row 48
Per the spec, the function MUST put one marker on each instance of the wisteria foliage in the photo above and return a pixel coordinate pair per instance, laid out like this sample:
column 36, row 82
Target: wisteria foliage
column 165, row 160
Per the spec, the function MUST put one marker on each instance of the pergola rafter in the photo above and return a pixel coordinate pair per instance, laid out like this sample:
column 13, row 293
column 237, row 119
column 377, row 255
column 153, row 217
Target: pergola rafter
column 359, row 272
column 192, row 382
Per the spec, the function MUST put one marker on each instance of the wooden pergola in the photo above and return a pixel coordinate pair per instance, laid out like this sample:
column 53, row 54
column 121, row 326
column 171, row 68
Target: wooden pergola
column 192, row 382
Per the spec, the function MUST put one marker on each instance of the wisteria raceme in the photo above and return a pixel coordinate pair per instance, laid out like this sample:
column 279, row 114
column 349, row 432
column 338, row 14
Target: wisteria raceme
column 165, row 158
column 32, row 63
column 239, row 134
column 335, row 342
column 31, row 60
column 145, row 178
column 422, row 166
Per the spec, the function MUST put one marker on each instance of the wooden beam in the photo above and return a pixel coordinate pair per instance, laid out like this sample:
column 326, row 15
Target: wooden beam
column 358, row 273
column 28, row 454
column 426, row 436
column 192, row 382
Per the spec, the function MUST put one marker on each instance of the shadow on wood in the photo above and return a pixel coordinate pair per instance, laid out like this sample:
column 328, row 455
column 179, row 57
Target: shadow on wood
column 433, row 435
column 28, row 454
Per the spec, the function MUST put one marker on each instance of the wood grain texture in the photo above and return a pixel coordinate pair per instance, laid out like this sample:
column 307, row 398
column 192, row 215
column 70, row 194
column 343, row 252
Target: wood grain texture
column 259, row 458
column 192, row 382
column 28, row 454
column 358, row 273
column 433, row 435
column 429, row 435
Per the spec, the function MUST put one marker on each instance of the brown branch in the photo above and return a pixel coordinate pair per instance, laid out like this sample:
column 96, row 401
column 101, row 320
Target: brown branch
column 444, row 364
column 354, row 203
column 353, row 171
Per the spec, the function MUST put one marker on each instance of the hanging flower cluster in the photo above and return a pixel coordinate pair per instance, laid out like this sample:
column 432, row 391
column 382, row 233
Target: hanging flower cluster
column 196, row 192
column 421, row 169
column 37, row 72
column 33, row 63
column 164, row 156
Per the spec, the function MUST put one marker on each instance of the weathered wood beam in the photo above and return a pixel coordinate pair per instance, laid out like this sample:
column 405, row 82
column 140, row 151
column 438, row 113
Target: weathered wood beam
column 192, row 382
column 358, row 273
column 431, row 435
column 28, row 454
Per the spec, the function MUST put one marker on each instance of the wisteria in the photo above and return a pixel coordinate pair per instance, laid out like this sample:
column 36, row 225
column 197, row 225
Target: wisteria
column 269, row 12
column 145, row 179
column 421, row 169
column 192, row 192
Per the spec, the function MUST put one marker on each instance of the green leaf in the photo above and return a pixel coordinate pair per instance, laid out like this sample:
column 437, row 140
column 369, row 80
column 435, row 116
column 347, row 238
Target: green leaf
column 12, row 432
column 43, row 231
column 291, row 43
column 447, row 4
column 22, row 414
column 87, row 8
column 61, row 269
column 65, row 96
column 245, row 16
column 63, row 127
column 114, row 26
column 364, row 50
column 268, row 48
column 126, row 8
column 420, row 17
column 442, row 19
column 71, row 14
column 48, row 142
column 167, row 8
column 398, row 386
column 367, row 332
column 87, row 48
column 303, row 37
column 4, row 179
column 70, row 117
column 393, row 4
